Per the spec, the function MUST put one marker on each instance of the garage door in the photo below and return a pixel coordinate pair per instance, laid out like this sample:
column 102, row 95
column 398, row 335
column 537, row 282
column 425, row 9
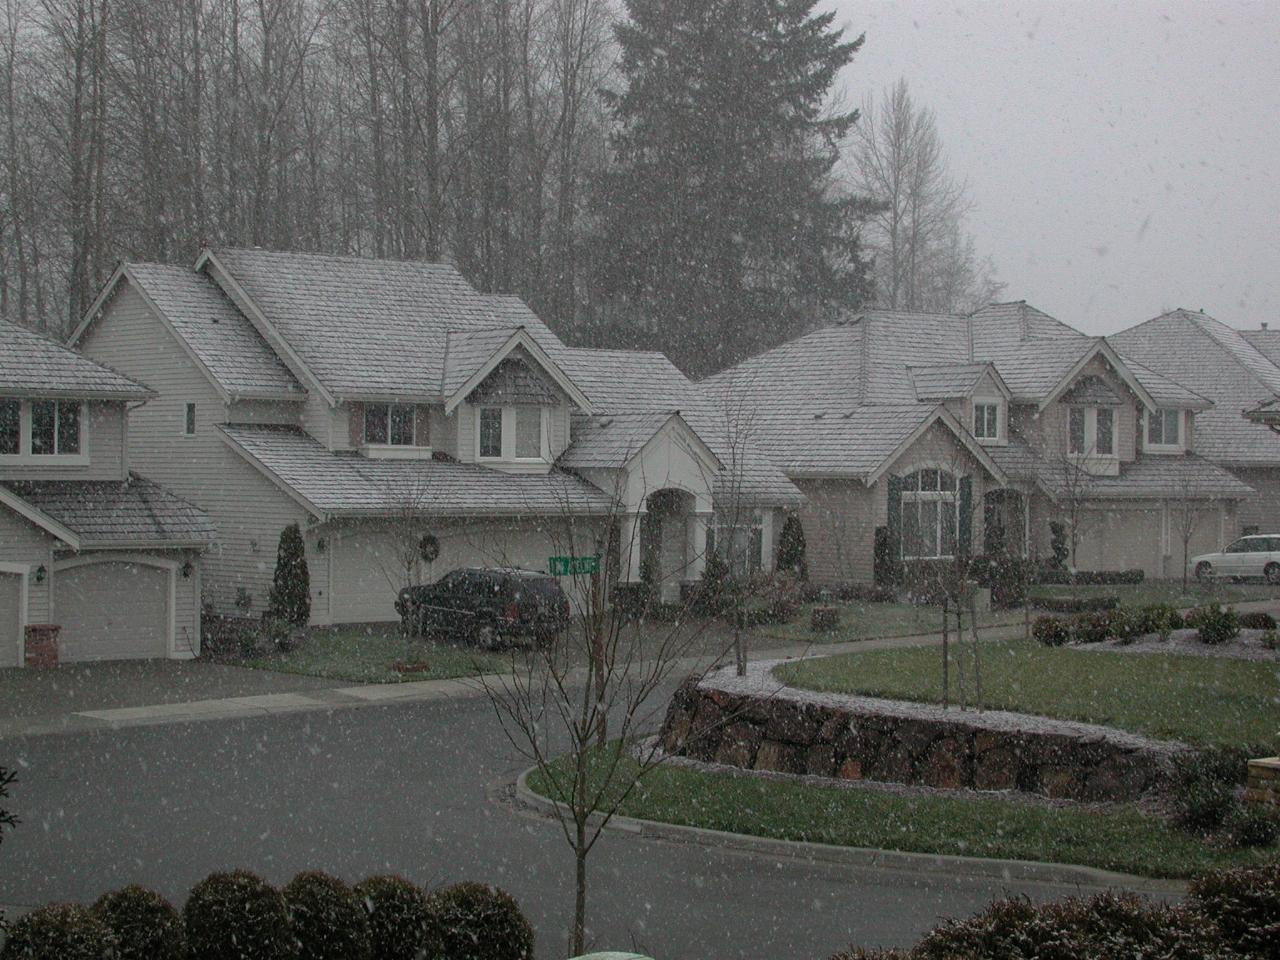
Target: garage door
column 1121, row 540
column 10, row 610
column 366, row 578
column 112, row 611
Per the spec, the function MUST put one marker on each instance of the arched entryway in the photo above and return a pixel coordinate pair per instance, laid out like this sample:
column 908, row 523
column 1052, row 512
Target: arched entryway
column 1004, row 522
column 667, row 552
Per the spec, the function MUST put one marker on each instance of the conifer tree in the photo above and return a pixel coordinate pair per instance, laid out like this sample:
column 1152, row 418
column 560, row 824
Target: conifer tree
column 290, row 598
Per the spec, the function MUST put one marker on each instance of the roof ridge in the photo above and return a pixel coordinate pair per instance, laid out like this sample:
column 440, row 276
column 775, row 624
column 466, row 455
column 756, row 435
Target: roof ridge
column 341, row 258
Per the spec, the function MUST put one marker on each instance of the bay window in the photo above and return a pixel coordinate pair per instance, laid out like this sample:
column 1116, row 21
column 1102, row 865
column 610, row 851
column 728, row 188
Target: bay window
column 929, row 514
column 1164, row 428
column 739, row 545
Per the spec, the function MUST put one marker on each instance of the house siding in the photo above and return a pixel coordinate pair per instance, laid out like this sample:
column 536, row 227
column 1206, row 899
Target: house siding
column 839, row 519
column 264, row 411
column 247, row 509
column 1262, row 510
column 105, row 433
column 21, row 541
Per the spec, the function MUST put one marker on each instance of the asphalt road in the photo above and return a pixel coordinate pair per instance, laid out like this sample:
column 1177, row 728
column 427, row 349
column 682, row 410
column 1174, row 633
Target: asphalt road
column 417, row 790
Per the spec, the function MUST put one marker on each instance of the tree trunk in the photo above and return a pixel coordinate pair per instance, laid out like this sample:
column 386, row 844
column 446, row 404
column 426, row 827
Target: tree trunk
column 578, row 936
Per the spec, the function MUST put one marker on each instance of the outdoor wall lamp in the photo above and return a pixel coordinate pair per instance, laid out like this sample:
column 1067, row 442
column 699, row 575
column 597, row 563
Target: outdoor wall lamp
column 41, row 573
column 321, row 543
column 187, row 570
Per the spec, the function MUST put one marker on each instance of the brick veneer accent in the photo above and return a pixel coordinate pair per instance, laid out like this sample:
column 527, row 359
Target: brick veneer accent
column 1264, row 781
column 41, row 644
column 745, row 722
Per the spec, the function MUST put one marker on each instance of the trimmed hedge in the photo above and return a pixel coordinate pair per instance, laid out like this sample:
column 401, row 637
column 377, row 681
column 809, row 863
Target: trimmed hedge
column 1051, row 631
column 59, row 931
column 1048, row 573
column 327, row 918
column 1214, row 624
column 1257, row 620
column 402, row 925
column 146, row 925
column 479, row 922
column 1243, row 905
column 237, row 916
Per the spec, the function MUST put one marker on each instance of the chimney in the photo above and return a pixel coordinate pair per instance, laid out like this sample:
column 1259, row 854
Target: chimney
column 1264, row 324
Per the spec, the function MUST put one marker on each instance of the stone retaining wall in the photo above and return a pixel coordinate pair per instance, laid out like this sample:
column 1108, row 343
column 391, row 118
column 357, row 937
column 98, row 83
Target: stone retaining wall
column 1264, row 781
column 757, row 724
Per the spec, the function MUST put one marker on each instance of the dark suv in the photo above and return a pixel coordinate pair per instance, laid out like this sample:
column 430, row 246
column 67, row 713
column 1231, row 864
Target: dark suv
column 487, row 605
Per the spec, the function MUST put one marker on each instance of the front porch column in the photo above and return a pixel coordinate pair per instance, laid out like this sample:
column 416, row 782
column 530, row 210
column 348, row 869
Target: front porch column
column 629, row 546
column 696, row 524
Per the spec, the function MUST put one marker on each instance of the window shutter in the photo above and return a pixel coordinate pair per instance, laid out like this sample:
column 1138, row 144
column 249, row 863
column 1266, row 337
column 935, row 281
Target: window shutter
column 964, row 536
column 895, row 519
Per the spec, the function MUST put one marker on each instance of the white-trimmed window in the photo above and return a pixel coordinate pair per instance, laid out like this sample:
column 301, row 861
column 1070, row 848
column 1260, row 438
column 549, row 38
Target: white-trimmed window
column 512, row 433
column 986, row 420
column 1091, row 431
column 740, row 545
column 40, row 431
column 189, row 420
column 1164, row 428
column 930, row 514
column 389, row 424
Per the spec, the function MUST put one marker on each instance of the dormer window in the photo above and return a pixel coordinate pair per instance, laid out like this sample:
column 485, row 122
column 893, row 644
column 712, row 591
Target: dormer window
column 1164, row 428
column 389, row 424
column 511, row 433
column 1091, row 432
column 986, row 420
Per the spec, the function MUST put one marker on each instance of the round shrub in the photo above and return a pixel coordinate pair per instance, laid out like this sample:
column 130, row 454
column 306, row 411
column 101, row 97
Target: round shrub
column 1214, row 624
column 1126, row 625
column 1160, row 619
column 479, row 922
column 59, row 931
column 327, row 918
column 402, row 925
column 1244, row 904
column 1204, row 788
column 1252, row 826
column 1051, row 631
column 1257, row 620
column 1270, row 640
column 237, row 916
column 1092, row 627
column 146, row 925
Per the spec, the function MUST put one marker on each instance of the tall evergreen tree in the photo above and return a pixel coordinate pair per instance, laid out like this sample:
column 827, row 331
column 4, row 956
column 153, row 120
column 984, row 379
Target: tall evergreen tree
column 290, row 598
column 721, row 229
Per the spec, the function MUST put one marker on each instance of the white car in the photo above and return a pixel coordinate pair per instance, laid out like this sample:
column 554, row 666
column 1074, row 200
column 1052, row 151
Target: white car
column 1253, row 556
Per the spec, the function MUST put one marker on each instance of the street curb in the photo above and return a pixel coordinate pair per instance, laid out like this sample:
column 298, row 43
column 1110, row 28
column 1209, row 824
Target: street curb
column 980, row 868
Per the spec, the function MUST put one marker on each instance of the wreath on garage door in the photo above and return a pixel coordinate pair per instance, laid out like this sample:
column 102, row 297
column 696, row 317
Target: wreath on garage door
column 429, row 547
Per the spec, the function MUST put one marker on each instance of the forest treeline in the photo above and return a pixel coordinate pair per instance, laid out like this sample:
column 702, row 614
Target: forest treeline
column 653, row 173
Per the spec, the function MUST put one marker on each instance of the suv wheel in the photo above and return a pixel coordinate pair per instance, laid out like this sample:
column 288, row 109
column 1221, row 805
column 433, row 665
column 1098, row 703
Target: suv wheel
column 1272, row 572
column 1204, row 570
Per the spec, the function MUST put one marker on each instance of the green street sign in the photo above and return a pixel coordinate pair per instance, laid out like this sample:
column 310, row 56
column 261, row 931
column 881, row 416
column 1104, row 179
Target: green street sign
column 568, row 566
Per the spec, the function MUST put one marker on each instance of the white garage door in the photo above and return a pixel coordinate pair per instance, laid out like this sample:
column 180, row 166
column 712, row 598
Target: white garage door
column 1121, row 540
column 112, row 611
column 10, row 626
column 366, row 578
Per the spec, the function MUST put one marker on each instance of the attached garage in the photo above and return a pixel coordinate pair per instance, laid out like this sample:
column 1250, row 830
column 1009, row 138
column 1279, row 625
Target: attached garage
column 1122, row 538
column 113, row 609
column 365, row 576
column 12, row 615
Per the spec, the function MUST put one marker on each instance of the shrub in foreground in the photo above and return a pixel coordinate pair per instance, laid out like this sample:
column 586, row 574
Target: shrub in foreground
column 401, row 923
column 1205, row 787
column 1252, row 825
column 237, row 916
column 59, row 931
column 1092, row 627
column 1214, row 624
column 1244, row 906
column 327, row 918
column 1160, row 619
column 479, row 922
column 145, row 924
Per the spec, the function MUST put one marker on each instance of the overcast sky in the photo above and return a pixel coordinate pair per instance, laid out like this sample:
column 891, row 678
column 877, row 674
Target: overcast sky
column 1123, row 158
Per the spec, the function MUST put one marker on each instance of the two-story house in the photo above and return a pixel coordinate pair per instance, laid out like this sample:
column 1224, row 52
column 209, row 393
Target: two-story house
column 410, row 425
column 111, row 557
column 934, row 434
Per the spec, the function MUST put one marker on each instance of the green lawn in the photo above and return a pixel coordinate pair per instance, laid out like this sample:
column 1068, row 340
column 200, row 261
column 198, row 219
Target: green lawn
column 1200, row 700
column 365, row 656
column 1122, row 839
column 1165, row 591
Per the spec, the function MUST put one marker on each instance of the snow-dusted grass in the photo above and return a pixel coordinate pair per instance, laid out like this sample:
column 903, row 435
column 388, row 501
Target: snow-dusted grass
column 1197, row 700
column 1111, row 838
column 366, row 655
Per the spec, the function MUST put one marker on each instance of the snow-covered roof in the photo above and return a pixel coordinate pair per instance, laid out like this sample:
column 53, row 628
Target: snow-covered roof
column 111, row 513
column 334, row 484
column 34, row 366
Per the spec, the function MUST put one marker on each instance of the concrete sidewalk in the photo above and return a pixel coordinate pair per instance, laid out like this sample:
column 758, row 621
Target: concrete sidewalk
column 111, row 695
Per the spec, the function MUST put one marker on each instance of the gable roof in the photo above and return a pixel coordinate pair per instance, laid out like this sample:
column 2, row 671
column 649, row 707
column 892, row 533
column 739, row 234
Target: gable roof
column 215, row 334
column 472, row 356
column 34, row 366
column 1266, row 341
column 361, row 328
column 113, row 513
column 1218, row 363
